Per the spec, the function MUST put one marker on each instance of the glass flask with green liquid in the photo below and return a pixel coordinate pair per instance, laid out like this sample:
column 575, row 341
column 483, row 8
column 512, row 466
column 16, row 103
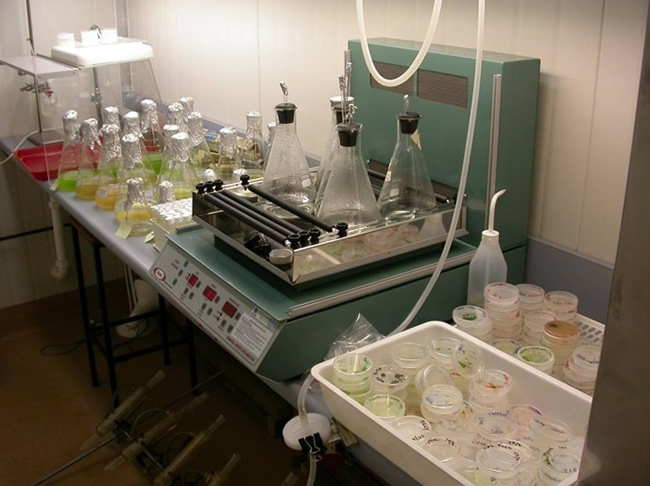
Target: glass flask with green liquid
column 70, row 153
column 152, row 136
column 109, row 166
column 87, row 175
column 199, row 149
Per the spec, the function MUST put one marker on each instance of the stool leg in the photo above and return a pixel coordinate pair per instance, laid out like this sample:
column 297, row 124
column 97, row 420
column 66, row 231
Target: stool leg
column 164, row 335
column 90, row 345
column 191, row 351
column 103, row 309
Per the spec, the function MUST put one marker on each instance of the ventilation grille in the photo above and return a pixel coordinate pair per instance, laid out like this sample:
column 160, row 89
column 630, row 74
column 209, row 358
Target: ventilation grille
column 391, row 71
column 443, row 88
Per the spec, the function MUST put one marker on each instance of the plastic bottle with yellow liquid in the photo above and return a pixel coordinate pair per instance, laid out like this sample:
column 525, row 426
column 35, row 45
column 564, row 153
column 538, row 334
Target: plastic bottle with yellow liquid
column 87, row 175
column 109, row 166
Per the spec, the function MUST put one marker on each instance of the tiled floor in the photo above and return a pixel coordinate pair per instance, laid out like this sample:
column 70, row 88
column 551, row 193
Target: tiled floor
column 48, row 407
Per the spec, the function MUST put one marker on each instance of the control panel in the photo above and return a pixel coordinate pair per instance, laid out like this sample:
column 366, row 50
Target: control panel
column 242, row 328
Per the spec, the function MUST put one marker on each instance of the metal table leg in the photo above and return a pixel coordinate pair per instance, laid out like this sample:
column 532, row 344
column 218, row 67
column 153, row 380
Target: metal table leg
column 85, row 317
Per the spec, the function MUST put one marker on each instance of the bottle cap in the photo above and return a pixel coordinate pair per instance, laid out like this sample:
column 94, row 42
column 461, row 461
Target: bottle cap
column 111, row 142
column 111, row 116
column 286, row 112
column 408, row 122
column 132, row 123
column 348, row 134
column 166, row 192
column 89, row 131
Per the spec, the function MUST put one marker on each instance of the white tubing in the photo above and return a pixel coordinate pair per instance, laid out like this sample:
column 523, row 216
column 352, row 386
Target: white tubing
column 463, row 175
column 493, row 208
column 311, row 479
column 417, row 62
column 302, row 401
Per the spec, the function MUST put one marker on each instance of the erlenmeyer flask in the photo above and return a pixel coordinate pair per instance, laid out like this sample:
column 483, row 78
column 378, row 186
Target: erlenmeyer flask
column 287, row 174
column 199, row 151
column 348, row 196
column 168, row 132
column 109, row 165
column 187, row 102
column 331, row 148
column 151, row 135
column 252, row 152
column 86, row 185
column 175, row 116
column 407, row 190
column 229, row 165
column 111, row 116
column 133, row 198
column 70, row 153
column 180, row 171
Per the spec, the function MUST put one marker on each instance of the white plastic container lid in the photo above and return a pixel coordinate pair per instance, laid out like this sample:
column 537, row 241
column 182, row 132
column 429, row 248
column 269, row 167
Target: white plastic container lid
column 414, row 428
column 501, row 293
column 352, row 367
column 441, row 401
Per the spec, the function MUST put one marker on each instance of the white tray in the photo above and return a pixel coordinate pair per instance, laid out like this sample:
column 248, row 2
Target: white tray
column 553, row 397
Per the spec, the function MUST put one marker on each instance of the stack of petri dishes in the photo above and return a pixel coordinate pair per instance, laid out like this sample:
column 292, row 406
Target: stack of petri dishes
column 534, row 322
column 414, row 428
column 546, row 432
column 531, row 298
column 444, row 449
column 352, row 375
column 557, row 465
column 390, row 380
column 501, row 462
column 489, row 390
column 563, row 304
column 410, row 357
column 473, row 320
column 502, row 305
column 441, row 402
column 562, row 338
column 581, row 368
column 386, row 407
column 539, row 357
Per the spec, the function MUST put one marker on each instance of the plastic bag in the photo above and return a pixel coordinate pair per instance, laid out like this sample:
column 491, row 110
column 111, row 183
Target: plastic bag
column 358, row 334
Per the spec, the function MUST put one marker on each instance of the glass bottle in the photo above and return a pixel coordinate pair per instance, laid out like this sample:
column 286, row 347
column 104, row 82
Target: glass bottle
column 86, row 185
column 109, row 165
column 179, row 171
column 407, row 190
column 199, row 151
column 286, row 175
column 252, row 153
column 229, row 165
column 111, row 116
column 175, row 116
column 349, row 196
column 187, row 102
column 332, row 147
column 131, row 125
column 70, row 153
column 133, row 169
column 151, row 135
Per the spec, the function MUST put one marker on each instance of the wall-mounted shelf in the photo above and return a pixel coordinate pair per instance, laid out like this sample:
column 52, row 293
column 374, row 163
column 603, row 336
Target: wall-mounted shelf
column 40, row 67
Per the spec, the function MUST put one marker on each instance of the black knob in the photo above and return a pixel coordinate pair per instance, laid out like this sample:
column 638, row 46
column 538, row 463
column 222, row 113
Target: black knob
column 209, row 186
column 244, row 178
column 304, row 238
column 218, row 185
column 294, row 240
column 342, row 229
column 314, row 235
column 200, row 188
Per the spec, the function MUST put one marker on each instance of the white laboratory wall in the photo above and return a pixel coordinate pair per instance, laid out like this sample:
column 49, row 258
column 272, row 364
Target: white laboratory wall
column 231, row 55
column 25, row 262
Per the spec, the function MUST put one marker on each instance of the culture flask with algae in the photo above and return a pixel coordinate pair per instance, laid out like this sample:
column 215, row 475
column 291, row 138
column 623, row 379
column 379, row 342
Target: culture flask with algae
column 179, row 171
column 110, row 163
column 70, row 153
column 87, row 175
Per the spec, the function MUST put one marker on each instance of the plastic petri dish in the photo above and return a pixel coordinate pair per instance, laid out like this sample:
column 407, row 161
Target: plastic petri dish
column 585, row 359
column 501, row 293
column 441, row 350
column 414, row 428
column 481, row 408
column 497, row 426
column 471, row 317
column 467, row 359
column 557, row 465
column 530, row 294
column 539, row 357
column 508, row 346
column 361, row 397
column 386, row 407
column 461, row 427
column 561, row 333
column 444, row 449
column 523, row 413
column 441, row 402
column 525, row 452
column 389, row 379
column 560, row 301
column 409, row 356
column 352, row 367
column 500, row 461
column 490, row 385
column 353, row 388
column 431, row 375
column 550, row 428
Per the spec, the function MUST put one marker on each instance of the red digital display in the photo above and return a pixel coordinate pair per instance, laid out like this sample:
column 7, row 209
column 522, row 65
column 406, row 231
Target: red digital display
column 229, row 309
column 209, row 294
column 192, row 279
